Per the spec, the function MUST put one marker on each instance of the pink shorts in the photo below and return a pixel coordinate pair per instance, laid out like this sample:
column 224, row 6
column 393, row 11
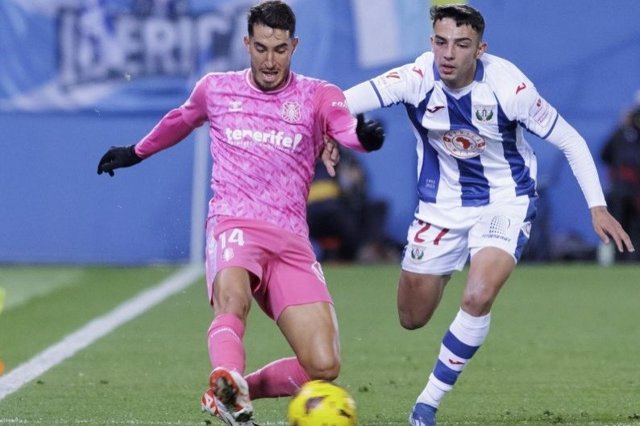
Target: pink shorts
column 284, row 264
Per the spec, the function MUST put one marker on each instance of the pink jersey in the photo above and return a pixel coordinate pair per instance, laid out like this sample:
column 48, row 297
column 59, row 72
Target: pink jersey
column 264, row 144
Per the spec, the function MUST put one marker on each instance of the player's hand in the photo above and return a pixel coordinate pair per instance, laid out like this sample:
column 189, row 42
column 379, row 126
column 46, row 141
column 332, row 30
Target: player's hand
column 330, row 156
column 116, row 157
column 606, row 226
column 370, row 133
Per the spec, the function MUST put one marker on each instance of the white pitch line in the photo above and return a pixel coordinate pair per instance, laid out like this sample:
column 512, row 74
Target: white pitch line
column 95, row 329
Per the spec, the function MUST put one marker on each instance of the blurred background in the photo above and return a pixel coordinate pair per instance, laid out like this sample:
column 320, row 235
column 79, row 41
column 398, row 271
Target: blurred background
column 78, row 76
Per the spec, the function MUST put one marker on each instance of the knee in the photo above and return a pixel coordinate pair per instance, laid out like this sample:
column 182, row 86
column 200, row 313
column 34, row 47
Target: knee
column 416, row 313
column 411, row 321
column 323, row 367
column 477, row 302
column 232, row 292
column 418, row 298
column 232, row 302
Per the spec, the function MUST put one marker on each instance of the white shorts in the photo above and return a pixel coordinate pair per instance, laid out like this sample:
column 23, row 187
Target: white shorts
column 436, row 250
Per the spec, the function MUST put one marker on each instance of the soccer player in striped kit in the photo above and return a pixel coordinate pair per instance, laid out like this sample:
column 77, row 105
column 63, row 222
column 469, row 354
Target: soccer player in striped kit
column 469, row 111
column 267, row 126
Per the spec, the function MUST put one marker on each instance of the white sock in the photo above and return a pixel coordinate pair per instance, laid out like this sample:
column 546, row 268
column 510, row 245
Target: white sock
column 466, row 334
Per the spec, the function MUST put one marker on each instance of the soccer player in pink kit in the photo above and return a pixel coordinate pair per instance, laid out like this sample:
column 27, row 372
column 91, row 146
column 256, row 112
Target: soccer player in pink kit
column 267, row 127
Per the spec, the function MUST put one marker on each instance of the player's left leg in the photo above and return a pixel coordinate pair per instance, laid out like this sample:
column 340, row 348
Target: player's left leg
column 297, row 297
column 489, row 270
column 495, row 243
column 311, row 330
column 282, row 377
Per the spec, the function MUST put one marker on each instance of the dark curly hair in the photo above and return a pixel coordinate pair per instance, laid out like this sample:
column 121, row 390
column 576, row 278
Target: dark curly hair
column 461, row 13
column 273, row 14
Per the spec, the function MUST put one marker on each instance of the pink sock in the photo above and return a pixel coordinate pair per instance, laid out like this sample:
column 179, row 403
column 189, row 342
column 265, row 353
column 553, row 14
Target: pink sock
column 225, row 343
column 282, row 377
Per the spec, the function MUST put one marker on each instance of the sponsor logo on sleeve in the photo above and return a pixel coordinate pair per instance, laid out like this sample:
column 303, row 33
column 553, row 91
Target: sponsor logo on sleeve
column 541, row 112
column 388, row 79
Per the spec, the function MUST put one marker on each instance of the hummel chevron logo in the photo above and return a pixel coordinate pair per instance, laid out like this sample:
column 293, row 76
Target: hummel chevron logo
column 435, row 109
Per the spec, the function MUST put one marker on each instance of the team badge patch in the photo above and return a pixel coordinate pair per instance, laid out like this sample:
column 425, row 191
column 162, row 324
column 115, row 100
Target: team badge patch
column 417, row 254
column 387, row 79
column 227, row 254
column 235, row 106
column 484, row 113
column 291, row 112
column 463, row 143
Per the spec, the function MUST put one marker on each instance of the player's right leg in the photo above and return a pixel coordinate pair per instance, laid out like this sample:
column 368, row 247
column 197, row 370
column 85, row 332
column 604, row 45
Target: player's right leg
column 418, row 297
column 232, row 265
column 228, row 393
column 228, row 398
column 432, row 254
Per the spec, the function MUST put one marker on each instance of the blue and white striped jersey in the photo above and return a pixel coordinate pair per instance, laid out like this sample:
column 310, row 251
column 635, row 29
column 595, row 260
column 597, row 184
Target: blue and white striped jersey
column 471, row 146
column 471, row 142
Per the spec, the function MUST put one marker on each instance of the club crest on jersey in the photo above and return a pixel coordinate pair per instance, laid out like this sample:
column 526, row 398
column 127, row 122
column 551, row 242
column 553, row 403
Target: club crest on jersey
column 484, row 113
column 463, row 143
column 235, row 106
column 290, row 112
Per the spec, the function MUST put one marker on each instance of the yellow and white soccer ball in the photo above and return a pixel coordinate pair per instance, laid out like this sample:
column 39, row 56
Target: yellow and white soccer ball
column 322, row 403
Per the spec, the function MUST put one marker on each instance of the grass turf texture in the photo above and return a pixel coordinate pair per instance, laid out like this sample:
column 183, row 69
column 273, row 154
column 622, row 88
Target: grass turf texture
column 563, row 349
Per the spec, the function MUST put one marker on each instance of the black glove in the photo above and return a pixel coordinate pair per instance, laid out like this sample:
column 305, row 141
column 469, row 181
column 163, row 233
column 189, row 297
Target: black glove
column 116, row 157
column 370, row 133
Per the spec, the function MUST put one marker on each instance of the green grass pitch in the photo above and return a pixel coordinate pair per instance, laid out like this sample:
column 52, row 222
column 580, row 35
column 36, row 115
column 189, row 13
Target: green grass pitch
column 563, row 349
